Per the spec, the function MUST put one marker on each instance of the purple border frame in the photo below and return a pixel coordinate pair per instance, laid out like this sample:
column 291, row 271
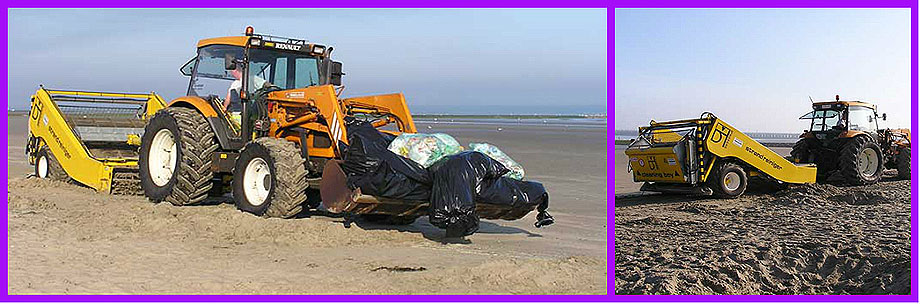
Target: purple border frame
column 5, row 297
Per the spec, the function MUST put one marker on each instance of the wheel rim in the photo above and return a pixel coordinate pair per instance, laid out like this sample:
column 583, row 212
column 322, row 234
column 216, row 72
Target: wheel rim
column 732, row 181
column 257, row 181
column 162, row 160
column 42, row 165
column 868, row 162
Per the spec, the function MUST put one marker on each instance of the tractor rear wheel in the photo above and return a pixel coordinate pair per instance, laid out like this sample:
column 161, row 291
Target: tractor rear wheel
column 47, row 166
column 800, row 152
column 270, row 179
column 861, row 161
column 727, row 180
column 175, row 157
column 903, row 161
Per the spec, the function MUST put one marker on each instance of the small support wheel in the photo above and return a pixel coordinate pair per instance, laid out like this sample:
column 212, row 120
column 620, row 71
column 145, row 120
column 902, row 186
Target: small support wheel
column 47, row 166
column 727, row 180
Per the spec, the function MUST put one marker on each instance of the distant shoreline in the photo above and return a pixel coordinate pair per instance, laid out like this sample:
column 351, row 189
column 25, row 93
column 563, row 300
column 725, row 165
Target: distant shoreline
column 471, row 116
column 512, row 116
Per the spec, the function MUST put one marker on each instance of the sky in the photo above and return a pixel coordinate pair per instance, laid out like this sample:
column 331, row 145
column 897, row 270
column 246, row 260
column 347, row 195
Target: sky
column 756, row 68
column 471, row 61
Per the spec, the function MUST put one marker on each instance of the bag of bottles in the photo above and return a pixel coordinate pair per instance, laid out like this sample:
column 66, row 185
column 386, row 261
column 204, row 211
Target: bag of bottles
column 425, row 149
column 517, row 171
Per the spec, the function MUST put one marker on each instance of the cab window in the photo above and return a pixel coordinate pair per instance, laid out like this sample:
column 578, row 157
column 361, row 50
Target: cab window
column 862, row 119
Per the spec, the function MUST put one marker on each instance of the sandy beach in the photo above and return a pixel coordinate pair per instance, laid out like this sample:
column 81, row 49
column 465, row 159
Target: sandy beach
column 66, row 239
column 806, row 239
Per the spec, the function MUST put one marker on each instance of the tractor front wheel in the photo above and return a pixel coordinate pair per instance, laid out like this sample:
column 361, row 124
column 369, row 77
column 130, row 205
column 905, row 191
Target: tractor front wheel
column 270, row 179
column 903, row 161
column 861, row 161
column 727, row 180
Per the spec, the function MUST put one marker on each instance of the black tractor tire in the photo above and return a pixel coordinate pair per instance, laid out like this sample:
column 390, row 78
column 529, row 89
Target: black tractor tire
column 851, row 161
column 286, row 180
column 195, row 145
column 903, row 161
column 52, row 168
column 393, row 220
column 727, row 180
column 800, row 152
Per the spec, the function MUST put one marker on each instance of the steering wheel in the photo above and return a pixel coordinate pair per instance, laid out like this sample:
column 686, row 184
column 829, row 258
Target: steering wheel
column 266, row 88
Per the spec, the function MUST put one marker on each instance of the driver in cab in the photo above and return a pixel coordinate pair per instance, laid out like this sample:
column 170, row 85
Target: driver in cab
column 233, row 104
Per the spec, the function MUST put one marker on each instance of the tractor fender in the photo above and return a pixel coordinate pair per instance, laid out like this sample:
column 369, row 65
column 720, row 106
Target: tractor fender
column 194, row 102
column 852, row 134
column 217, row 122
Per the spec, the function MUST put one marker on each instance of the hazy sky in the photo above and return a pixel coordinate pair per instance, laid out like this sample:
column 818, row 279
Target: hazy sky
column 460, row 61
column 756, row 68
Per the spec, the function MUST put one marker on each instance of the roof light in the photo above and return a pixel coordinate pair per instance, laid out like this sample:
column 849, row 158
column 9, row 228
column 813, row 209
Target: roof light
column 838, row 97
column 318, row 49
column 249, row 30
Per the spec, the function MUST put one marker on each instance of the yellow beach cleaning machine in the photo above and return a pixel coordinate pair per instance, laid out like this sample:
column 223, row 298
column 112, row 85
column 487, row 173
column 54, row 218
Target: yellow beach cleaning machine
column 706, row 156
column 89, row 137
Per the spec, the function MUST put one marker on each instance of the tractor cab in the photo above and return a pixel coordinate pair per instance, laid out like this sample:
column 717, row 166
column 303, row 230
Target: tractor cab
column 841, row 119
column 231, row 72
column 260, row 60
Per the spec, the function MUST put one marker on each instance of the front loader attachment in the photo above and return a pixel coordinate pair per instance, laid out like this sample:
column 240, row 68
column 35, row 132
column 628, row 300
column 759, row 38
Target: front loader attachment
column 337, row 197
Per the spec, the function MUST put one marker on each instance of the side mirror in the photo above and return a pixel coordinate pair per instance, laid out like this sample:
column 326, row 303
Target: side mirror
column 230, row 63
column 884, row 116
column 335, row 73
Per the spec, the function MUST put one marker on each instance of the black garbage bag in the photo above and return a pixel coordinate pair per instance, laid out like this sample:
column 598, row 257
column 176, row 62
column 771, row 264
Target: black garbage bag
column 456, row 180
column 521, row 196
column 380, row 172
column 514, row 193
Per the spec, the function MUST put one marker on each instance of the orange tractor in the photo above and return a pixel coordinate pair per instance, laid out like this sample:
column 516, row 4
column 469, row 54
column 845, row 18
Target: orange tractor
column 844, row 141
column 264, row 119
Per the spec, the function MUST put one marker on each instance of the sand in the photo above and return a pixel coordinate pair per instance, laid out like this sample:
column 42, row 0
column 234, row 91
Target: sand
column 67, row 239
column 809, row 239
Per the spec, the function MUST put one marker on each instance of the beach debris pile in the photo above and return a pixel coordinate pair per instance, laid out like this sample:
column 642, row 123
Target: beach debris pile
column 426, row 149
column 435, row 169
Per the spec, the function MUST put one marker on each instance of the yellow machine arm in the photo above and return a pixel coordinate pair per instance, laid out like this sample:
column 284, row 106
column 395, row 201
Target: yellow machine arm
column 726, row 141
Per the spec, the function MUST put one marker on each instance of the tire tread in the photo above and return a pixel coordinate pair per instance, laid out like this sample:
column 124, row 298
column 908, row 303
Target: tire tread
column 291, row 180
column 197, row 145
column 849, row 155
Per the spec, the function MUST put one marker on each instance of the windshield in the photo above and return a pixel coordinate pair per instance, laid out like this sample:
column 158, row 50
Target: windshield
column 823, row 120
column 209, row 76
column 283, row 69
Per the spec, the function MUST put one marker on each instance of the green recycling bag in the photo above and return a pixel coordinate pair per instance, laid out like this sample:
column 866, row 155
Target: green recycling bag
column 517, row 171
column 425, row 149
